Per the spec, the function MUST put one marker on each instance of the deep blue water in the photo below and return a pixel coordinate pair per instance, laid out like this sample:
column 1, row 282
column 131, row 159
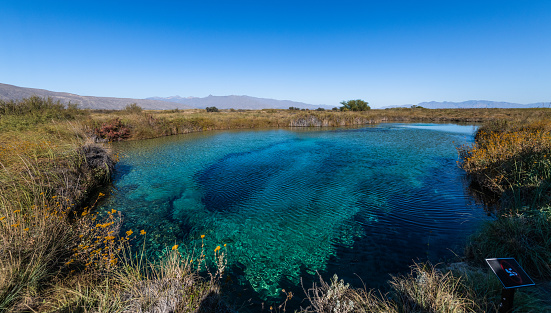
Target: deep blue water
column 359, row 202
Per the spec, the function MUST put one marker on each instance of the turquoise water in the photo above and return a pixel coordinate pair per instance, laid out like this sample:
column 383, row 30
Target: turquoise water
column 359, row 202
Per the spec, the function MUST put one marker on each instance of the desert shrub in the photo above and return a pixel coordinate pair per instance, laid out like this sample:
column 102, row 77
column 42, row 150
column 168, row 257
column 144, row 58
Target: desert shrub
column 30, row 105
column 113, row 130
column 133, row 108
column 18, row 115
column 212, row 109
column 355, row 105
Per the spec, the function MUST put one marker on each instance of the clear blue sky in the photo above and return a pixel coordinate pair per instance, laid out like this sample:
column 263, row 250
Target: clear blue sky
column 319, row 52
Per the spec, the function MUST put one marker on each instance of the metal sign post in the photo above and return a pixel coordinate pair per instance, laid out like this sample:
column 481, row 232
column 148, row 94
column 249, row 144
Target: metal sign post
column 511, row 276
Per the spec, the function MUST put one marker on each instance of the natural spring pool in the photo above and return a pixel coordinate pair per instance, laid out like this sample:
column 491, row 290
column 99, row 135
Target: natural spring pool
column 359, row 202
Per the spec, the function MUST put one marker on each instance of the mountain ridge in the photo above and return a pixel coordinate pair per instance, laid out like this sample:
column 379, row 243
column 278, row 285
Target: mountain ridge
column 11, row 92
column 240, row 102
column 474, row 104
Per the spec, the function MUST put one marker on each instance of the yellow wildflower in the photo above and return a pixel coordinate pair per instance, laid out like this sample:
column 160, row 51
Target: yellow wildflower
column 16, row 211
column 224, row 245
column 113, row 211
column 142, row 232
column 202, row 236
column 174, row 247
column 1, row 218
column 217, row 248
column 101, row 194
column 26, row 229
column 15, row 225
column 130, row 232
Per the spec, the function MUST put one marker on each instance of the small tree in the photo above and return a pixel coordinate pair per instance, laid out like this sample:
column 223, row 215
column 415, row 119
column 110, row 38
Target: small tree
column 355, row 105
column 133, row 108
column 212, row 109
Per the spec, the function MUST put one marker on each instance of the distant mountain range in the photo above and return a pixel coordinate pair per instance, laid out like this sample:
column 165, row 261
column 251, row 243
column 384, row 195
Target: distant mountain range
column 476, row 104
column 240, row 102
column 9, row 92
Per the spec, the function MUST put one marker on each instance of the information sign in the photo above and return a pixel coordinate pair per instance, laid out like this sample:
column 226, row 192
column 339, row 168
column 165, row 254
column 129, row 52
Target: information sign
column 509, row 273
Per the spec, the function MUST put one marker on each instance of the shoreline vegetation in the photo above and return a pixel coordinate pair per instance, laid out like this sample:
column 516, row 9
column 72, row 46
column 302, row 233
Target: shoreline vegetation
column 59, row 255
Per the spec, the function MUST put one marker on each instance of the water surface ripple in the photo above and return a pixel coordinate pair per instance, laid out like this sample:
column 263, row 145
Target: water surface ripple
column 360, row 202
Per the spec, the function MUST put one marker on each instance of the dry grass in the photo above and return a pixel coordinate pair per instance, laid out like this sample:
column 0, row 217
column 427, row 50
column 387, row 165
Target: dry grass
column 170, row 285
column 451, row 289
column 150, row 124
column 425, row 289
column 526, row 237
column 512, row 160
column 57, row 254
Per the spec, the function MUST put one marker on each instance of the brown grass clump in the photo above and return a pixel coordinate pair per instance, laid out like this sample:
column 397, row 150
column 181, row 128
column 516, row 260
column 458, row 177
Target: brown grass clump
column 425, row 289
column 170, row 285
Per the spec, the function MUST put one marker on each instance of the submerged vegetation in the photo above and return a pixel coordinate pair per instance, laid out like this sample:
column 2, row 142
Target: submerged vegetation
column 59, row 255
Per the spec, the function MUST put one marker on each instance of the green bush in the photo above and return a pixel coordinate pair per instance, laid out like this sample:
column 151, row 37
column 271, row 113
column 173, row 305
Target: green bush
column 355, row 105
column 133, row 108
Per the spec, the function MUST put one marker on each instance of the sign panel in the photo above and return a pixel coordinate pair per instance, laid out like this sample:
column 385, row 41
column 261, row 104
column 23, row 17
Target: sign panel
column 509, row 273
